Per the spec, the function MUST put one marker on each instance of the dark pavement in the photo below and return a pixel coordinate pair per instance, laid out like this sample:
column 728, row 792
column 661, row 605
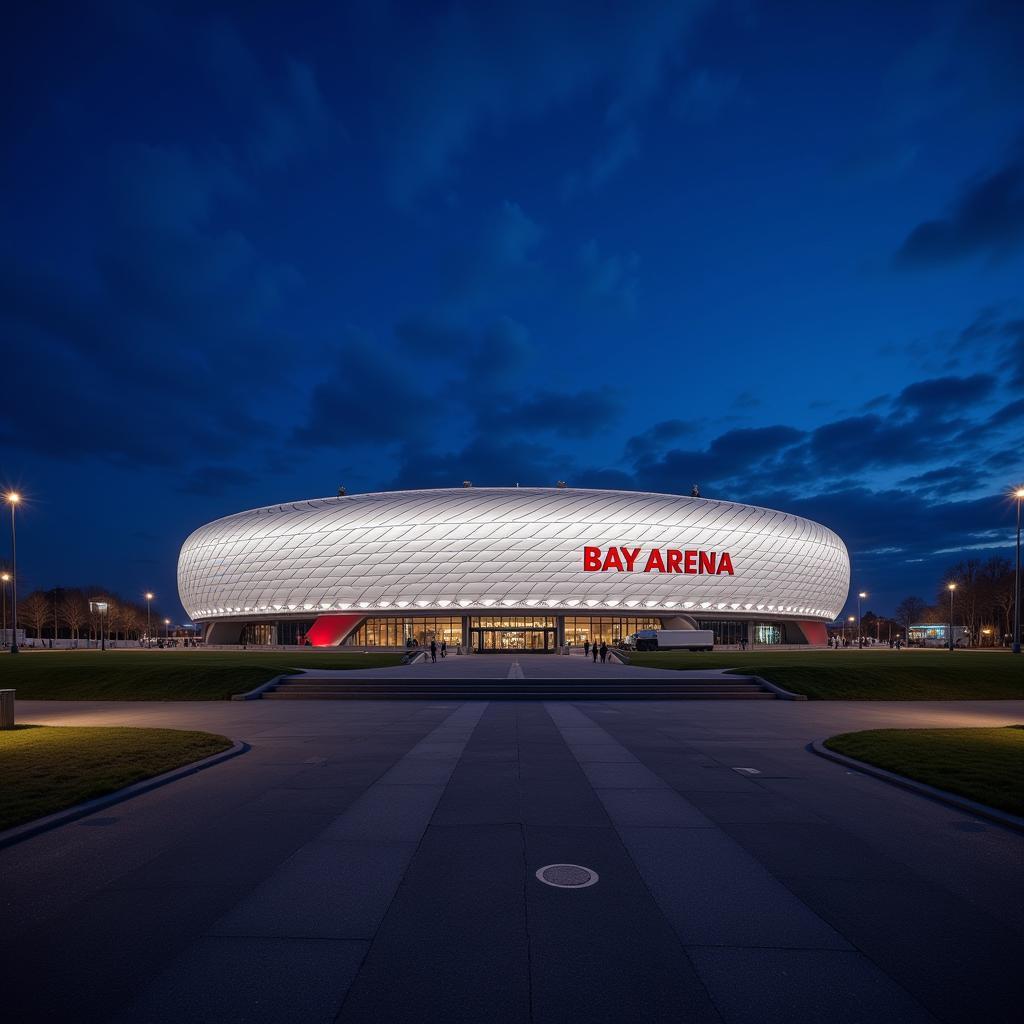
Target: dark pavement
column 376, row 862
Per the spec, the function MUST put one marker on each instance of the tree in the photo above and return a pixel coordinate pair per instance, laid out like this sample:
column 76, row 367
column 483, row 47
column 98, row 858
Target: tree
column 909, row 611
column 35, row 611
column 74, row 612
column 966, row 596
column 997, row 580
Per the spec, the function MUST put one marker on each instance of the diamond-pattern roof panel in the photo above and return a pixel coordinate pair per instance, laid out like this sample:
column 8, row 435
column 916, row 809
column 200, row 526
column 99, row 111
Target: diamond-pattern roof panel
column 492, row 544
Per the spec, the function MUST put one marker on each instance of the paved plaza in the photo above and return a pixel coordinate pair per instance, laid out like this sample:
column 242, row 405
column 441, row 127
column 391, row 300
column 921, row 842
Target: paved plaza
column 373, row 861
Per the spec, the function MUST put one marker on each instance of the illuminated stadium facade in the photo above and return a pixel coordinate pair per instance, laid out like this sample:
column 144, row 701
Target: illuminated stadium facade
column 510, row 569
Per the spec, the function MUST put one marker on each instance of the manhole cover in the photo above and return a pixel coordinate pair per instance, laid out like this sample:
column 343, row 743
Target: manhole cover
column 567, row 876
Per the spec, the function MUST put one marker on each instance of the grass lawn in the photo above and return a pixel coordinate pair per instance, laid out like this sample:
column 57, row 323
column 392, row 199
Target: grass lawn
column 47, row 768
column 866, row 675
column 986, row 765
column 161, row 675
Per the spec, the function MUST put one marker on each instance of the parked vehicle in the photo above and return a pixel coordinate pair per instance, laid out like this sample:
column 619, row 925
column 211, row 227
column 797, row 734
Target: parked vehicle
column 671, row 640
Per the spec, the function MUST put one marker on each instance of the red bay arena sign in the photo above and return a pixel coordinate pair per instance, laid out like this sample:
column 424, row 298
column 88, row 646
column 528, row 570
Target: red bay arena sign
column 623, row 559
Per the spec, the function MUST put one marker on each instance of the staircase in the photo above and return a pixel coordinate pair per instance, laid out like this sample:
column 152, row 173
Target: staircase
column 307, row 687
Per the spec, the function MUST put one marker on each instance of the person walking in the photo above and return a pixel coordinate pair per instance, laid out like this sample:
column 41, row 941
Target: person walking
column 586, row 648
column 433, row 651
column 593, row 651
column 604, row 652
column 444, row 648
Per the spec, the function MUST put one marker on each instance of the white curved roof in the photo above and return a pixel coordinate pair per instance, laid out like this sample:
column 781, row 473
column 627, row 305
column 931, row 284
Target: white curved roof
column 483, row 547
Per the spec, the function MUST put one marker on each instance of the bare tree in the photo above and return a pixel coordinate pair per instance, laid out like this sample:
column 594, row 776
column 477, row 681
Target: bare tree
column 35, row 611
column 74, row 612
column 909, row 611
column 997, row 580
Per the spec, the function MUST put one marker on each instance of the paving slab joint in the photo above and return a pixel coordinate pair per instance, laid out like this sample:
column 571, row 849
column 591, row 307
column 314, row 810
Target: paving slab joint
column 69, row 814
column 961, row 803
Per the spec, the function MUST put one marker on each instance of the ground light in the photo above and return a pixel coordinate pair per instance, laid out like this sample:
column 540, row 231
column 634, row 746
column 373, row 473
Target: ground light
column 12, row 498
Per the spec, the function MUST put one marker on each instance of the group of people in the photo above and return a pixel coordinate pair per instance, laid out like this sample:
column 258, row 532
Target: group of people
column 434, row 650
column 596, row 651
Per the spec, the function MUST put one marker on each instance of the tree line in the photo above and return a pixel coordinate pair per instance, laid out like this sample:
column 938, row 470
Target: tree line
column 65, row 613
column 982, row 602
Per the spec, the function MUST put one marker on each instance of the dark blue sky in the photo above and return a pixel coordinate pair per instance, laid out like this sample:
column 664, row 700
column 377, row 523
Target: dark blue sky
column 254, row 253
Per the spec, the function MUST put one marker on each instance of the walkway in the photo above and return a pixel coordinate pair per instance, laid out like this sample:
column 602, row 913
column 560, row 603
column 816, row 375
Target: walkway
column 376, row 862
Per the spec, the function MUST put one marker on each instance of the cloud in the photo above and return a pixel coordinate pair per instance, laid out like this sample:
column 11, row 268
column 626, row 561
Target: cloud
column 704, row 95
column 641, row 445
column 578, row 415
column 986, row 219
column 213, row 481
column 608, row 279
column 942, row 393
column 497, row 261
column 477, row 66
column 729, row 456
column 282, row 116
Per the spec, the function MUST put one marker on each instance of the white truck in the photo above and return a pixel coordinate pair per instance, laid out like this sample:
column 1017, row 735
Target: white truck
column 671, row 640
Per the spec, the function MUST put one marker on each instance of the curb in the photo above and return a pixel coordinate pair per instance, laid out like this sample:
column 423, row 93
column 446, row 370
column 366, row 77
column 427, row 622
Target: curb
column 961, row 803
column 778, row 690
column 69, row 814
column 263, row 687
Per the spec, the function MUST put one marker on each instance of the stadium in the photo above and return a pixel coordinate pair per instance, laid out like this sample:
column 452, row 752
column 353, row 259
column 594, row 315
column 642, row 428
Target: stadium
column 525, row 569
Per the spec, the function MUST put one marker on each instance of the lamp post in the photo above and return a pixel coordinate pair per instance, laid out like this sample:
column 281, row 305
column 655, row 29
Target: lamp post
column 850, row 619
column 12, row 498
column 149, row 627
column 167, row 629
column 860, row 621
column 100, row 608
column 5, row 578
column 1019, row 495
column 952, row 587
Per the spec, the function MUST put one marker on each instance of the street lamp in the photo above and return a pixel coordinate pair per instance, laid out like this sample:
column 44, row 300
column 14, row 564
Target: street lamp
column 5, row 578
column 952, row 587
column 12, row 498
column 850, row 619
column 149, row 626
column 167, row 629
column 860, row 626
column 1019, row 495
column 100, row 607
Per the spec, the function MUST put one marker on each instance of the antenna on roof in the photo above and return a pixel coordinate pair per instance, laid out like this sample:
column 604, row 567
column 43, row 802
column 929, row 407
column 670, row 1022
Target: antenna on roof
column 695, row 493
column 467, row 483
column 342, row 492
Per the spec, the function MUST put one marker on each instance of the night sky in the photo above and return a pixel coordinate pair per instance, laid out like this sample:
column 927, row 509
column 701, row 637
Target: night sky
column 252, row 253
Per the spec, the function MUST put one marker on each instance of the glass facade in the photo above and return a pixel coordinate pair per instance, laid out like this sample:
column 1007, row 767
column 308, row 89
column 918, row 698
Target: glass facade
column 398, row 631
column 259, row 633
column 607, row 629
column 516, row 632
column 732, row 631
column 513, row 632
column 284, row 631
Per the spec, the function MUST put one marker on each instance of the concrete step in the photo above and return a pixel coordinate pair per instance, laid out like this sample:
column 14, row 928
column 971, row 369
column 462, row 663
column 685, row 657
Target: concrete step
column 502, row 685
column 473, row 693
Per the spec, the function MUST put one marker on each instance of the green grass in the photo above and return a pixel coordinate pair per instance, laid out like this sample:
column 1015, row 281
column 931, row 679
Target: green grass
column 161, row 675
column 47, row 768
column 986, row 765
column 866, row 675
